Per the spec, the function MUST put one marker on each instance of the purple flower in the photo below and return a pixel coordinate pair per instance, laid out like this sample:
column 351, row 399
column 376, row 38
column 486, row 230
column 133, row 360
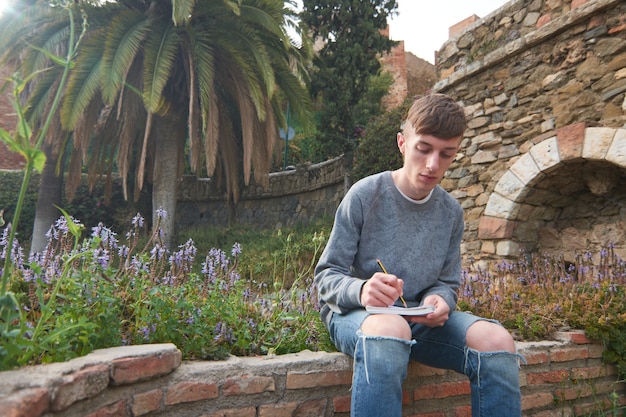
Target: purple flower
column 122, row 251
column 208, row 269
column 101, row 256
column 161, row 213
column 147, row 331
column 137, row 221
column 106, row 235
column 236, row 250
column 61, row 225
column 157, row 252
column 168, row 279
column 137, row 265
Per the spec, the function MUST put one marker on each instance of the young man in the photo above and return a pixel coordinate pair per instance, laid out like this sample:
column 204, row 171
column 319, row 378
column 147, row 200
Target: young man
column 414, row 227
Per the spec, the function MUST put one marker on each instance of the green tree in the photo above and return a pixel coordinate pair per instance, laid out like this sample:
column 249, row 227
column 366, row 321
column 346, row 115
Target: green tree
column 378, row 148
column 353, row 42
column 150, row 75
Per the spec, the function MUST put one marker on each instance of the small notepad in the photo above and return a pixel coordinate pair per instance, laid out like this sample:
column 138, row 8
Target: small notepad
column 410, row 311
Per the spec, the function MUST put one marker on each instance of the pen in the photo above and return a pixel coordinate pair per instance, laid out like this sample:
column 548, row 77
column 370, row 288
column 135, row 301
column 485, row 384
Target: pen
column 382, row 267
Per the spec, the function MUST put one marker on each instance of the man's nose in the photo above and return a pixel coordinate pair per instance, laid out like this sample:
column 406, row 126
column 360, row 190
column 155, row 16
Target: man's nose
column 433, row 162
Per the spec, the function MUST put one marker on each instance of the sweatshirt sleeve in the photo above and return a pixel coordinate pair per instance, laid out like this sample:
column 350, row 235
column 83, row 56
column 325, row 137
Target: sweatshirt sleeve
column 338, row 289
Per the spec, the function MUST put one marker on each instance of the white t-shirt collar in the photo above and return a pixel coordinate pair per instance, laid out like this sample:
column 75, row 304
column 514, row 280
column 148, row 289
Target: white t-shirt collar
column 422, row 201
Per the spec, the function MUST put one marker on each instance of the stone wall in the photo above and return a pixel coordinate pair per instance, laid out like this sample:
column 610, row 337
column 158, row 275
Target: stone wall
column 564, row 377
column 293, row 196
column 543, row 166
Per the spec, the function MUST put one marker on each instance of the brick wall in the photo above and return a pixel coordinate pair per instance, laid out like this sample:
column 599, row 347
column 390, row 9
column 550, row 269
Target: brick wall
column 564, row 377
column 395, row 63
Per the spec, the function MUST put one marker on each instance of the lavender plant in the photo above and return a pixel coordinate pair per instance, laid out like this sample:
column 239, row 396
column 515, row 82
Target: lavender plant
column 103, row 291
column 540, row 294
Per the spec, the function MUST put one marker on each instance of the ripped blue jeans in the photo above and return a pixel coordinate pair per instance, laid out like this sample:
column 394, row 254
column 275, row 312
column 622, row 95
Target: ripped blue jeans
column 380, row 365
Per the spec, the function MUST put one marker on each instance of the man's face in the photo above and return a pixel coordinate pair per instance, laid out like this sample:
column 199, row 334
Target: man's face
column 426, row 160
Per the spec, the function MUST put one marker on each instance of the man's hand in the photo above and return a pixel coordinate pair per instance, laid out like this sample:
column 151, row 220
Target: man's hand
column 438, row 317
column 381, row 290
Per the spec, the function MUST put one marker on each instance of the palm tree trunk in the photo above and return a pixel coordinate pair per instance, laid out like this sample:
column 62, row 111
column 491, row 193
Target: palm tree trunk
column 170, row 133
column 50, row 194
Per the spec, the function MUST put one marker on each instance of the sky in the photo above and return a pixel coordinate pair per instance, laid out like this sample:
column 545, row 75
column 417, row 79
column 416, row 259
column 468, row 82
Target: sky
column 423, row 24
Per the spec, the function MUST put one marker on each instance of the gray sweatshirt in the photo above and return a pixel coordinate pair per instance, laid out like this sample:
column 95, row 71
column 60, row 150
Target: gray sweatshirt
column 419, row 243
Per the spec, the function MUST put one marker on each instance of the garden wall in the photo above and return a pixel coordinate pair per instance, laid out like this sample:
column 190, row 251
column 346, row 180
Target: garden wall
column 544, row 163
column 561, row 378
column 293, row 196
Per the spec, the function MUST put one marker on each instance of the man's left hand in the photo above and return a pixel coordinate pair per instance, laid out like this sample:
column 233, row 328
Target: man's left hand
column 438, row 317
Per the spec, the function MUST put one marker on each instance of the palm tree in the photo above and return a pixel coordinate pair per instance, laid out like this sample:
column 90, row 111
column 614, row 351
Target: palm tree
column 150, row 74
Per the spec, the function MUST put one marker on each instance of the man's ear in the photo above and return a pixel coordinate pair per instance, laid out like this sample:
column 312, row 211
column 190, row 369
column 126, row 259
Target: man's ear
column 401, row 141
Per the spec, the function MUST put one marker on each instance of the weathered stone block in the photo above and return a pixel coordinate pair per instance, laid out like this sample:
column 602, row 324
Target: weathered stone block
column 495, row 228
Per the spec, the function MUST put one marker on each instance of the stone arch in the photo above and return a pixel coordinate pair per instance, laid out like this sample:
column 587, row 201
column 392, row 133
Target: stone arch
column 512, row 207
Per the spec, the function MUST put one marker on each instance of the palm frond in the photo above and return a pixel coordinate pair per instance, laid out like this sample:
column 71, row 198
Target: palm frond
column 84, row 81
column 19, row 29
column 264, row 146
column 103, row 142
column 52, row 39
column 248, row 117
column 39, row 96
column 255, row 51
column 182, row 11
column 229, row 157
column 130, row 123
column 237, row 60
column 212, row 135
column 298, row 97
column 264, row 19
column 85, row 126
column 124, row 39
column 160, row 54
column 204, row 68
column 193, row 116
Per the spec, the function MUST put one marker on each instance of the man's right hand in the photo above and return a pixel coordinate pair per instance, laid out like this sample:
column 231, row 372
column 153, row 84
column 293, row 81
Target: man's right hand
column 381, row 290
